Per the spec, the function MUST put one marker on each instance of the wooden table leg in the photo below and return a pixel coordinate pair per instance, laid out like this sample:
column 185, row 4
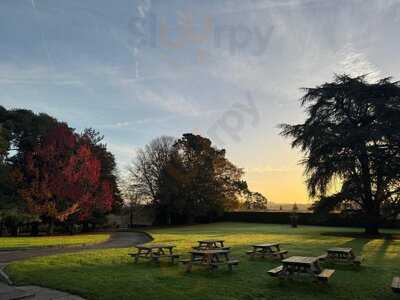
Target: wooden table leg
column 285, row 272
column 155, row 256
column 189, row 267
column 137, row 256
column 254, row 253
column 190, row 263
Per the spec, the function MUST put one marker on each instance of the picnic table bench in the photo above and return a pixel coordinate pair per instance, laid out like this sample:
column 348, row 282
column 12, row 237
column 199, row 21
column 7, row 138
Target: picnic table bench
column 297, row 266
column 267, row 250
column 396, row 284
column 209, row 258
column 210, row 244
column 341, row 255
column 154, row 252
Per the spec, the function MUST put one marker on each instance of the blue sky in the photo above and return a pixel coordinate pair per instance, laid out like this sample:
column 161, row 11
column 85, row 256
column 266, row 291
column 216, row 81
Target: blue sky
column 230, row 70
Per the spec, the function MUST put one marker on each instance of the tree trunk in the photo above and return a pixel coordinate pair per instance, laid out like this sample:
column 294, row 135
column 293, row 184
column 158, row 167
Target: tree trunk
column 15, row 230
column 372, row 206
column 169, row 219
column 294, row 220
column 372, row 230
column 50, row 229
column 372, row 223
column 131, row 217
column 35, row 229
column 69, row 228
column 85, row 227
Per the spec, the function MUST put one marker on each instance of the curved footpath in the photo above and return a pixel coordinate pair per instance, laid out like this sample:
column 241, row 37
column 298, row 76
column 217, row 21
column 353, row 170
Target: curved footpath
column 9, row 292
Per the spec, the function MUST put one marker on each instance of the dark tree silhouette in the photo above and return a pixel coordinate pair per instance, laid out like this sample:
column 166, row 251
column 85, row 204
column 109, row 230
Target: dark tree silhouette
column 199, row 182
column 254, row 201
column 185, row 180
column 352, row 136
column 145, row 171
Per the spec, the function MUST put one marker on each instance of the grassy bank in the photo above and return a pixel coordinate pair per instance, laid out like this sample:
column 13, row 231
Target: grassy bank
column 51, row 241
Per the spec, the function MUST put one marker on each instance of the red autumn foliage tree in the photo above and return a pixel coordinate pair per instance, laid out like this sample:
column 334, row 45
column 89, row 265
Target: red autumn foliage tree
column 62, row 178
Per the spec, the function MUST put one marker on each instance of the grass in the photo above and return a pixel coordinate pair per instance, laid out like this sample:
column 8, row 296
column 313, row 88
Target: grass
column 52, row 241
column 111, row 274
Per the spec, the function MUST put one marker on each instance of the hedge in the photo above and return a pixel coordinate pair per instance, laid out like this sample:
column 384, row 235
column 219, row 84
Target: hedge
column 304, row 218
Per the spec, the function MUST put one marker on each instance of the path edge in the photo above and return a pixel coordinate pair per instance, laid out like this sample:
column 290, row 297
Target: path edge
column 3, row 275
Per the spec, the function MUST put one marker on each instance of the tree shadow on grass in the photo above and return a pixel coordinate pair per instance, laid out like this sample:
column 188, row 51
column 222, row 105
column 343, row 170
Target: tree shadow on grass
column 361, row 235
column 381, row 251
column 302, row 288
column 359, row 245
column 360, row 242
column 366, row 249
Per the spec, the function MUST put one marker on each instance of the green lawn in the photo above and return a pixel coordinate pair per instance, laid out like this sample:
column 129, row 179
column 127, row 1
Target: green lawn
column 45, row 241
column 111, row 274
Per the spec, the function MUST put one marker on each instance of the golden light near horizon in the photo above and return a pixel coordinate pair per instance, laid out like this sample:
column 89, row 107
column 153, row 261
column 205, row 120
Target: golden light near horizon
column 280, row 186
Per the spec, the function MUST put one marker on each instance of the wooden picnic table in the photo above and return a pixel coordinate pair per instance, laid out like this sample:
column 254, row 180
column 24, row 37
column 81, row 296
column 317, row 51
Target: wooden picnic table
column 302, row 264
column 267, row 250
column 396, row 284
column 154, row 252
column 210, row 244
column 295, row 266
column 210, row 258
column 341, row 255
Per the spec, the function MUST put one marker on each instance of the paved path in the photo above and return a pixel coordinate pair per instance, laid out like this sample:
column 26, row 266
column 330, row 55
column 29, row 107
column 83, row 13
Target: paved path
column 117, row 240
column 8, row 292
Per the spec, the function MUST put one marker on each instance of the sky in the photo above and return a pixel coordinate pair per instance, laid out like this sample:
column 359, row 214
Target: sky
column 231, row 70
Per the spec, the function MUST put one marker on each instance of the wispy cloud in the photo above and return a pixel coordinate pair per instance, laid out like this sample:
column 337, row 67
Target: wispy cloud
column 36, row 75
column 93, row 63
column 355, row 63
column 130, row 124
column 169, row 101
column 124, row 153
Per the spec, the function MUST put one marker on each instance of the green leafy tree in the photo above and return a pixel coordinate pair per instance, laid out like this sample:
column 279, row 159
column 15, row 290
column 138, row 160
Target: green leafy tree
column 255, row 201
column 4, row 144
column 352, row 136
column 19, row 132
column 26, row 129
column 186, row 180
column 198, row 183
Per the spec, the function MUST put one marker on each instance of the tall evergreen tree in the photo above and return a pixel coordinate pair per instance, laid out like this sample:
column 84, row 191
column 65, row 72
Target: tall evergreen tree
column 352, row 136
